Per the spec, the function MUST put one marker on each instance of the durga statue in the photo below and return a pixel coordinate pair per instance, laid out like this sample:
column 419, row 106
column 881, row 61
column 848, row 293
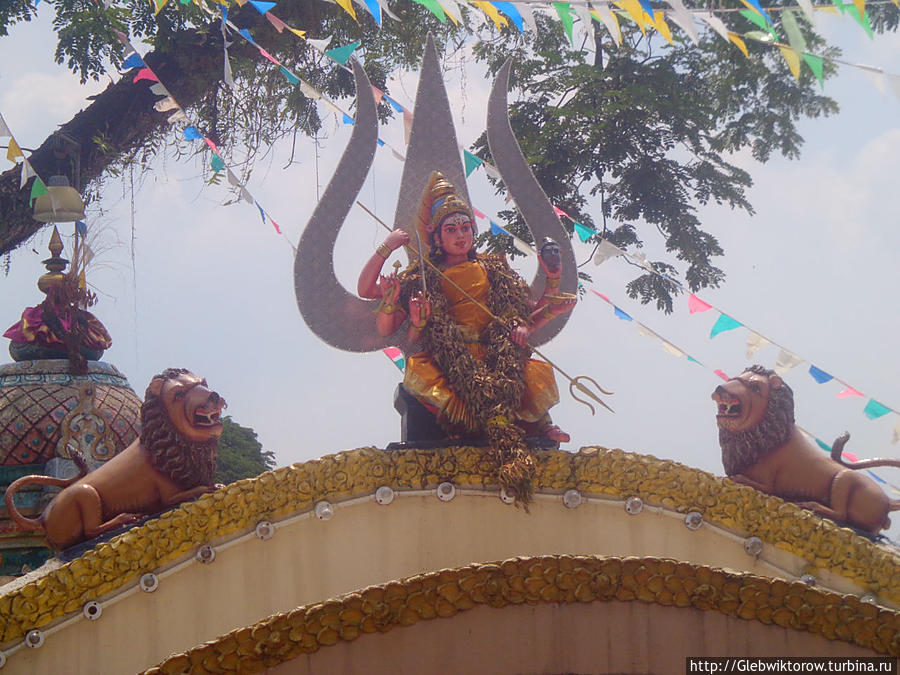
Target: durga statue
column 471, row 321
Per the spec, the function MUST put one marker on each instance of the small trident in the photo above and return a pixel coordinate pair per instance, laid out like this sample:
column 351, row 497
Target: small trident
column 574, row 382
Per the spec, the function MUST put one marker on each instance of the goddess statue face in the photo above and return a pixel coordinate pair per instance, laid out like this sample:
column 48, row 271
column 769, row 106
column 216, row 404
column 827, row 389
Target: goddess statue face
column 457, row 234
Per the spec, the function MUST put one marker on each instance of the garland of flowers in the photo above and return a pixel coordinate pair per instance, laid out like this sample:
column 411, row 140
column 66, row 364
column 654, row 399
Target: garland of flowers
column 491, row 389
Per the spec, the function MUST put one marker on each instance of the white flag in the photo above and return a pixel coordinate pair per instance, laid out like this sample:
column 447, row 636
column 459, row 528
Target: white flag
column 159, row 89
column 786, row 361
column 605, row 251
column 309, row 91
column 27, row 172
column 177, row 116
column 715, row 23
column 527, row 14
column 682, row 18
column 672, row 349
column 165, row 104
column 807, row 7
column 232, row 179
column 4, row 130
column 755, row 342
column 321, row 45
column 612, row 25
column 522, row 246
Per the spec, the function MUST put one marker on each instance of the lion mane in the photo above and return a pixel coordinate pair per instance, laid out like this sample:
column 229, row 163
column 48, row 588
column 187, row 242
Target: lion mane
column 743, row 449
column 187, row 463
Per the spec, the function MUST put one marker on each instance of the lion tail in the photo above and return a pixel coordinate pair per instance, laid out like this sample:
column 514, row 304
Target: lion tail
column 837, row 448
column 15, row 486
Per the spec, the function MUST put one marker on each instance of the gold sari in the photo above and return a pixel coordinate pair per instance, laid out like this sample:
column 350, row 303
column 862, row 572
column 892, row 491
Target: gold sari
column 427, row 383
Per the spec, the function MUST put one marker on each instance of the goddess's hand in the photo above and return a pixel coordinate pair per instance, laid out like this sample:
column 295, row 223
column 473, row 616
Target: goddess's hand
column 396, row 239
column 519, row 335
column 419, row 310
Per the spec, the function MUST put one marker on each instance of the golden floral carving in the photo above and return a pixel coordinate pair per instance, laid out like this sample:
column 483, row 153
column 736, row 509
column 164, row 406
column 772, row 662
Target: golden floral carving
column 545, row 579
column 594, row 471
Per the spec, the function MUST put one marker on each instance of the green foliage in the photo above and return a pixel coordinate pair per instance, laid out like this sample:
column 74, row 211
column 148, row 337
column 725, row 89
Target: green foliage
column 240, row 454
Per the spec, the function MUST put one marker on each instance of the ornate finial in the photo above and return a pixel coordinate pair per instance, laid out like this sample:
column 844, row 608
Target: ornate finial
column 54, row 264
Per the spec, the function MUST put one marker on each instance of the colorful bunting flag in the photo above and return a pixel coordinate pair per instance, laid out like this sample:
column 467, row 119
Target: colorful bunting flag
column 277, row 23
column 565, row 16
column 510, row 10
column 374, row 9
column 754, row 4
column 347, row 6
column 434, row 7
column 605, row 251
column 293, row 79
column 396, row 356
column 217, row 163
column 874, row 409
column 819, row 376
column 145, row 74
column 81, row 227
column 13, row 152
column 528, row 14
column 696, row 305
column 583, row 231
column 849, row 392
column 720, row 373
column 342, row 54
column 347, row 119
column 755, row 342
column 816, row 65
column 896, row 435
column 27, row 172
column 37, row 189
column 602, row 12
column 560, row 212
column 165, row 105
column 4, row 130
column 471, row 161
column 786, row 361
column 793, row 60
column 489, row 9
column 478, row 214
column 192, row 134
column 736, row 39
column 262, row 214
column 724, row 323
column 496, row 229
column 621, row 315
column 715, row 23
column 262, row 7
column 275, row 225
column 682, row 18
column 134, row 60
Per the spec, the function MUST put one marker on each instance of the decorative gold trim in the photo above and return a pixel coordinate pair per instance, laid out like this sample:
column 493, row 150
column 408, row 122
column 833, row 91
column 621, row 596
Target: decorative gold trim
column 544, row 579
column 354, row 473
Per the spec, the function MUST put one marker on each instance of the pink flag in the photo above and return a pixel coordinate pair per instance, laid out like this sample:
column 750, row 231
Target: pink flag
column 478, row 214
column 378, row 94
column 598, row 293
column 275, row 21
column 275, row 225
column 560, row 212
column 849, row 392
column 695, row 304
column 269, row 56
column 145, row 74
column 850, row 456
column 392, row 352
column 721, row 374
column 211, row 145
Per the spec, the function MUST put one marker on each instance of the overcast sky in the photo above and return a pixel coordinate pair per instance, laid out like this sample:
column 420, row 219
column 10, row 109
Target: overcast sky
column 210, row 287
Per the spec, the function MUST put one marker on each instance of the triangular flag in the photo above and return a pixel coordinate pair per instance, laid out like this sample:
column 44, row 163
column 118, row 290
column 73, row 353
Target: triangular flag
column 795, row 37
column 489, row 9
column 145, row 74
column 496, row 229
column 755, row 342
column 807, row 7
column 27, row 172
column 600, row 295
column 81, row 227
column 696, row 305
column 262, row 213
column 682, row 18
column 275, row 225
column 816, row 64
column 321, row 45
column 672, row 349
column 724, row 323
column 391, row 102
column 435, row 8
column 736, row 39
column 819, row 375
column 309, row 91
column 293, row 79
column 636, row 12
column 620, row 314
column 342, row 54
column 643, row 330
column 4, row 130
column 268, row 56
column 560, row 212
column 217, row 163
column 849, row 392
column 793, row 61
column 347, row 119
column 659, row 23
column 602, row 12
column 521, row 246
column 715, row 23
column 191, row 134
column 860, row 6
column 177, row 116
column 374, row 9
column 159, row 5
column 874, row 409
column 491, row 171
column 232, row 179
column 786, row 361
column 823, row 445
column 861, row 19
column 299, row 33
column 37, row 189
column 166, row 104
column 754, row 4
column 584, row 232
column 13, row 152
column 721, row 373
column 159, row 89
column 471, row 161
column 134, row 60
column 243, row 32
column 528, row 14
column 277, row 23
column 227, row 74
column 605, row 251
column 565, row 16
column 378, row 94
column 478, row 214
column 510, row 10
column 262, row 7
column 347, row 7
column 396, row 356
column 211, row 144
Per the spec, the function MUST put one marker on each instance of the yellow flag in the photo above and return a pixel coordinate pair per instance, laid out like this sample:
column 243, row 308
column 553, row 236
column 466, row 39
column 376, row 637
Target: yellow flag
column 13, row 152
column 347, row 7
column 615, row 23
column 159, row 5
column 241, row 2
column 736, row 39
column 636, row 12
column 793, row 60
column 224, row 3
column 298, row 33
column 491, row 11
column 660, row 24
column 861, row 6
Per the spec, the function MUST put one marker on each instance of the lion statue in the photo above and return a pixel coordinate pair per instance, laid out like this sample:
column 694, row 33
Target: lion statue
column 172, row 461
column 763, row 448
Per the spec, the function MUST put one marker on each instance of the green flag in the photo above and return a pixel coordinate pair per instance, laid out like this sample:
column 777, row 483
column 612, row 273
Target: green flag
column 565, row 15
column 293, row 79
column 724, row 323
column 342, row 54
column 37, row 189
column 815, row 64
column 795, row 37
column 217, row 163
column 472, row 162
column 874, row 409
column 434, row 7
column 583, row 231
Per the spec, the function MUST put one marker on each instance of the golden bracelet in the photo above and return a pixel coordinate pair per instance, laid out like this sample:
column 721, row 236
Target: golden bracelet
column 553, row 284
column 387, row 308
column 383, row 250
column 422, row 323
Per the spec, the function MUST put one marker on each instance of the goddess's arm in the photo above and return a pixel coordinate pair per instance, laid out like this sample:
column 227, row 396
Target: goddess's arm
column 367, row 286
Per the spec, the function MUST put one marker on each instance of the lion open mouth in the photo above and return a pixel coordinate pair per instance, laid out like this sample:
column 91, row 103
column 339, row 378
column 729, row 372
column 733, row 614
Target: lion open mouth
column 729, row 409
column 207, row 418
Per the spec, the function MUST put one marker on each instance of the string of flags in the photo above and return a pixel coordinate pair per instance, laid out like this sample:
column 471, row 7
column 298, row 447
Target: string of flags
column 670, row 348
column 14, row 154
column 786, row 359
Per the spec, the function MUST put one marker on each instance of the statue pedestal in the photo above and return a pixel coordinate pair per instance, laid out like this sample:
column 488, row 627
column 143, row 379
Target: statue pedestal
column 416, row 422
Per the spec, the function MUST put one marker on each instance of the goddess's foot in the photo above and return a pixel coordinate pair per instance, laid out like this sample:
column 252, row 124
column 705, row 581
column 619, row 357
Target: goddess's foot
column 554, row 433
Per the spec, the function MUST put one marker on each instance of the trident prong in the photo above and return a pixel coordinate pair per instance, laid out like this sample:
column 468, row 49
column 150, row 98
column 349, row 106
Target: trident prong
column 575, row 383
